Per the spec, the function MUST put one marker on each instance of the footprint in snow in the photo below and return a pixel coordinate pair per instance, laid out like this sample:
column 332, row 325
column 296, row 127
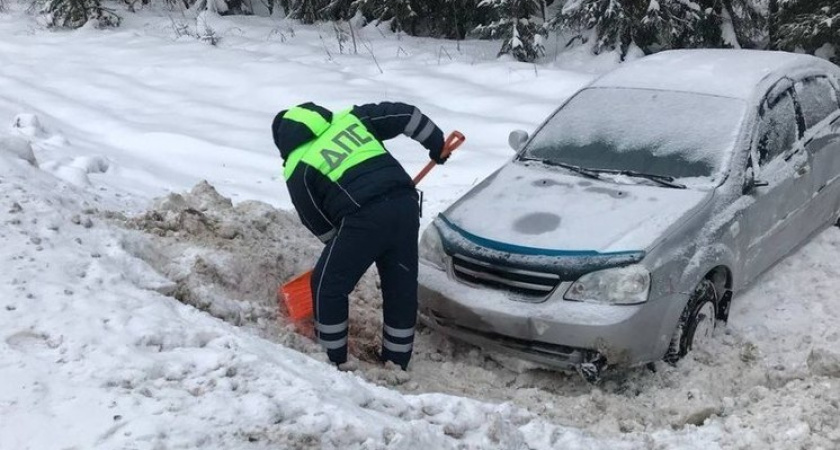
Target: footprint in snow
column 29, row 341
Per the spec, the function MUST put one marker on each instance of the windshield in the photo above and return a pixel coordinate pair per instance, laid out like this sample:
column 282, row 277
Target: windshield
column 671, row 134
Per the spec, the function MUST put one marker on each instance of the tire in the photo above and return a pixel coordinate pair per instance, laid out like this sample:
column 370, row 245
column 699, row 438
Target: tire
column 697, row 321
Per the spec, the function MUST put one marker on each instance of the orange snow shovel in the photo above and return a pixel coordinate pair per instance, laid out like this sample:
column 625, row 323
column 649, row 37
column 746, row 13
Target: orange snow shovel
column 296, row 295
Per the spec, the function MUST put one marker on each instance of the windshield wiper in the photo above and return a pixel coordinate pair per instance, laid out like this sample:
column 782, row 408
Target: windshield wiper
column 664, row 180
column 589, row 173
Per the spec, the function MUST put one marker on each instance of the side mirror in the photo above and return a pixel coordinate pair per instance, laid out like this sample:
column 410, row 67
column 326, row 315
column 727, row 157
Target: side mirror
column 517, row 139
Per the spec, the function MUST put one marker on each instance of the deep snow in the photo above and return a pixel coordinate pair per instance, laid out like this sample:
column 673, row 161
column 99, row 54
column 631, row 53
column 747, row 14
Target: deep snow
column 129, row 322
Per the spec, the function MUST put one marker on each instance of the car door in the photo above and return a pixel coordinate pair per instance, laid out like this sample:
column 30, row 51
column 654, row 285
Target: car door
column 820, row 105
column 785, row 167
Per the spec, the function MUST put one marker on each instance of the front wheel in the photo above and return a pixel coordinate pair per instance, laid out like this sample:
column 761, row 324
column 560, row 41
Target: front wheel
column 697, row 322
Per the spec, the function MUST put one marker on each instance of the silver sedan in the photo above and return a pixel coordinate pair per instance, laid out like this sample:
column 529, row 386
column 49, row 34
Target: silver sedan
column 623, row 228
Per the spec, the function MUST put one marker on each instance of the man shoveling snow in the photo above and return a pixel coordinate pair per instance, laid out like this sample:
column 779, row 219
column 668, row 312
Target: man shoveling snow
column 356, row 198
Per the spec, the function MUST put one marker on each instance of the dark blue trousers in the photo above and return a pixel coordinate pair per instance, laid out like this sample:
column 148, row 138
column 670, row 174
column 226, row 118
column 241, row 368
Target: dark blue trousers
column 385, row 233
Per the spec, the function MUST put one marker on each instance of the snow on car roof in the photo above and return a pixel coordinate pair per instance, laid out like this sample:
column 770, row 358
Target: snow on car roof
column 727, row 73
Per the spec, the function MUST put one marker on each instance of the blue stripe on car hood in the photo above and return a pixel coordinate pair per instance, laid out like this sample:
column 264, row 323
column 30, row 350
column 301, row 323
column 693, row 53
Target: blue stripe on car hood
column 522, row 250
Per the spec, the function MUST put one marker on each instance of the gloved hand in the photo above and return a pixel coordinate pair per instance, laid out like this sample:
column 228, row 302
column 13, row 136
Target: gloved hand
column 437, row 155
column 435, row 145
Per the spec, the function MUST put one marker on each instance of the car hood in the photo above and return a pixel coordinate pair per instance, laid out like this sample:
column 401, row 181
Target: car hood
column 531, row 206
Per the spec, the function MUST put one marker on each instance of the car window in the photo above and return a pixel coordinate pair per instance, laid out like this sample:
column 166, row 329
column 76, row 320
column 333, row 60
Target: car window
column 818, row 99
column 777, row 127
column 678, row 134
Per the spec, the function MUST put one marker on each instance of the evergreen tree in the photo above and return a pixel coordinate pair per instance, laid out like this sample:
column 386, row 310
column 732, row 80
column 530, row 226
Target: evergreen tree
column 337, row 10
column 400, row 13
column 807, row 25
column 749, row 21
column 655, row 25
column 76, row 13
column 307, row 11
column 616, row 23
column 454, row 19
column 514, row 21
column 437, row 18
column 311, row 11
column 223, row 7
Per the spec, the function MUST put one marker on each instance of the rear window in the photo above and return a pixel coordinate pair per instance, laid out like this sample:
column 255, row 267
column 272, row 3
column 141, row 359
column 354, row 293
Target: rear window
column 818, row 99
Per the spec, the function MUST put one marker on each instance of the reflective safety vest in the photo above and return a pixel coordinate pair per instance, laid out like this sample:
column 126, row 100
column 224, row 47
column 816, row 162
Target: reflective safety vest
column 340, row 145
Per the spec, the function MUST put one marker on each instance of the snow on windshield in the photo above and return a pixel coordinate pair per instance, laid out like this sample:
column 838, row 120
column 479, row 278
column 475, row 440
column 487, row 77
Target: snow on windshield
column 669, row 133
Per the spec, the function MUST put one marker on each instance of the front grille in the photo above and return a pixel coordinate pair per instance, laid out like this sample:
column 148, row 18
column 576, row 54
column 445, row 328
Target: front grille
column 524, row 282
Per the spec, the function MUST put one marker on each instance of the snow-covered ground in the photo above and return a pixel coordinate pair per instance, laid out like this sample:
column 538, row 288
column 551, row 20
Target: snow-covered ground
column 137, row 304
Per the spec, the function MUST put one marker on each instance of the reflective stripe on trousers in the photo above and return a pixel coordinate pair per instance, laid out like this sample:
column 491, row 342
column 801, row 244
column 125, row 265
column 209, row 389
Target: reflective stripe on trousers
column 327, row 335
column 397, row 344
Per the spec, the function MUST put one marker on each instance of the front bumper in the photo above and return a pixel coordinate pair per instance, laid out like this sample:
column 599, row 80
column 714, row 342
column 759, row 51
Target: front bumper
column 555, row 332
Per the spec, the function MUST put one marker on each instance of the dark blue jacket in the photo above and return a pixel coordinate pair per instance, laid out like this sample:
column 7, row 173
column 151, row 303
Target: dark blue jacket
column 322, row 203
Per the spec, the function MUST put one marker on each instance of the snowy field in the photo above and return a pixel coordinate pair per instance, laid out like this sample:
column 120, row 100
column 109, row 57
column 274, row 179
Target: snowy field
column 137, row 306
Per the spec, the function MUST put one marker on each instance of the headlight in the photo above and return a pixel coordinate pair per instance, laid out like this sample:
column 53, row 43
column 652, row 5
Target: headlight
column 431, row 248
column 623, row 286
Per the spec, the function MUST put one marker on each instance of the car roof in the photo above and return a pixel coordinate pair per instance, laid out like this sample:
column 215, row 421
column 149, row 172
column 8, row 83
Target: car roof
column 721, row 72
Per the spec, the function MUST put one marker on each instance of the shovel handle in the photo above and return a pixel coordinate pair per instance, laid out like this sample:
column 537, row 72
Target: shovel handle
column 453, row 141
